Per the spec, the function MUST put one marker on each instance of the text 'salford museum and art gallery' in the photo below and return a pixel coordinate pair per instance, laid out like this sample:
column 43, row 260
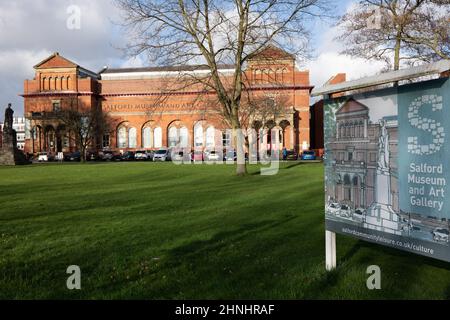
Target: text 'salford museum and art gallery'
column 149, row 113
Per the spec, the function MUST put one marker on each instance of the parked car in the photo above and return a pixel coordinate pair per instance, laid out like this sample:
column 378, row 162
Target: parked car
column 198, row 155
column 142, row 155
column 93, row 156
column 359, row 215
column 161, row 155
column 319, row 153
column 333, row 208
column 43, row 157
column 308, row 155
column 346, row 211
column 107, row 155
column 440, row 234
column 150, row 155
column 291, row 155
column 127, row 156
column 230, row 156
column 75, row 156
column 179, row 156
column 212, row 156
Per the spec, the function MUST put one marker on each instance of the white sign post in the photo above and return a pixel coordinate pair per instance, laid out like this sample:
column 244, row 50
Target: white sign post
column 330, row 250
column 368, row 176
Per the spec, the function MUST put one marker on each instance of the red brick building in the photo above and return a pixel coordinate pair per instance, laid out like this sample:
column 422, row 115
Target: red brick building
column 316, row 123
column 151, row 109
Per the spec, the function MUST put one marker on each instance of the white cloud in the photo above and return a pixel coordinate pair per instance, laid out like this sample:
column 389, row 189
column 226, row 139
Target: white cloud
column 32, row 30
column 135, row 62
column 329, row 62
column 15, row 67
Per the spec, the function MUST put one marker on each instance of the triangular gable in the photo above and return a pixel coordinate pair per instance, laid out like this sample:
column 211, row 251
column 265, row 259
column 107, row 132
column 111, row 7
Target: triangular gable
column 273, row 53
column 55, row 61
column 351, row 105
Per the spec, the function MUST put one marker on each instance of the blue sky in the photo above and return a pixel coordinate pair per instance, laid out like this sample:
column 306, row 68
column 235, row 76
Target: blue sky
column 32, row 30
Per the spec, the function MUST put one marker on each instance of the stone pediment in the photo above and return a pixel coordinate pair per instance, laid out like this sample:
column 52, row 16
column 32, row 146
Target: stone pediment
column 351, row 106
column 272, row 52
column 55, row 61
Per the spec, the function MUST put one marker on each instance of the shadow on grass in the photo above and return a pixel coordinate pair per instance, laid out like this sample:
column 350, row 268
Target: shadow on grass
column 283, row 166
column 401, row 274
column 229, row 238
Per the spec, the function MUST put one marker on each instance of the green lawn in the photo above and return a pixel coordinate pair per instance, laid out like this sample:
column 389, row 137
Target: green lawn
column 160, row 231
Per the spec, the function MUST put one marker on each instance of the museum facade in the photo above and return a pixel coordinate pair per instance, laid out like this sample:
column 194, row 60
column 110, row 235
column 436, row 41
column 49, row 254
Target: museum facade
column 153, row 108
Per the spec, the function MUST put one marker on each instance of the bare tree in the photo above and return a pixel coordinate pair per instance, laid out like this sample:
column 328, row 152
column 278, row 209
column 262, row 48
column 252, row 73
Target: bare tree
column 256, row 112
column 214, row 32
column 394, row 31
column 428, row 36
column 84, row 127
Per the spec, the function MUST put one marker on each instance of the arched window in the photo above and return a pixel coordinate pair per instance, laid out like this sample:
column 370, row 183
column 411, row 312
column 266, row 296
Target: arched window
column 346, row 179
column 68, row 83
column 210, row 137
column 44, row 84
column 283, row 73
column 147, row 138
column 279, row 75
column 122, row 137
column 184, row 137
column 355, row 181
column 157, row 137
column 51, row 83
column 226, row 138
column 132, row 138
column 173, row 137
column 198, row 135
column 55, row 85
column 34, row 132
column 347, row 189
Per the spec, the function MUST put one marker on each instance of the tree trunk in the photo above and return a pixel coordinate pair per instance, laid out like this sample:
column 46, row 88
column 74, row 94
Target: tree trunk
column 398, row 43
column 83, row 155
column 241, row 169
column 238, row 139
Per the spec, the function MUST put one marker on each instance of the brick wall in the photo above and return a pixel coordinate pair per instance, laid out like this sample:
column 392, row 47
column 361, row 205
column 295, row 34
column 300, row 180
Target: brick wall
column 139, row 103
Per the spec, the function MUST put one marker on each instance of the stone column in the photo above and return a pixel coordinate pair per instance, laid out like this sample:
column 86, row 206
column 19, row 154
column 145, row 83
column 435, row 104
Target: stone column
column 365, row 128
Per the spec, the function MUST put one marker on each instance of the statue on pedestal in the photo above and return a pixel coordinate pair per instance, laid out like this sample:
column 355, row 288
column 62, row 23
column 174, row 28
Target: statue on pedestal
column 383, row 154
column 9, row 112
column 381, row 215
column 8, row 131
column 9, row 154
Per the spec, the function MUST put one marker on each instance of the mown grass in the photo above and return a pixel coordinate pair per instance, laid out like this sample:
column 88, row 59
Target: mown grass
column 161, row 231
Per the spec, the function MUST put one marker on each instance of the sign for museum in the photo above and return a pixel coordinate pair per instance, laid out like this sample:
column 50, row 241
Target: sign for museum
column 387, row 167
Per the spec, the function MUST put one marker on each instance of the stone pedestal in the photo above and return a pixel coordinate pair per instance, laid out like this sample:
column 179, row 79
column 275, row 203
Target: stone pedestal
column 9, row 154
column 380, row 215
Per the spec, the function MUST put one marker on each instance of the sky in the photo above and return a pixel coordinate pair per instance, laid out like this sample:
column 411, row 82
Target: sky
column 31, row 30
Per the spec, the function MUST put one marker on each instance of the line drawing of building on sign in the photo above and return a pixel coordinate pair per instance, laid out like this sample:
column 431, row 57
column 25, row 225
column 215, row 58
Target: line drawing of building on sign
column 363, row 158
